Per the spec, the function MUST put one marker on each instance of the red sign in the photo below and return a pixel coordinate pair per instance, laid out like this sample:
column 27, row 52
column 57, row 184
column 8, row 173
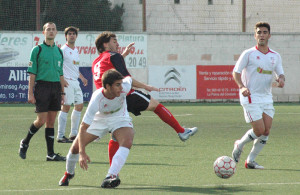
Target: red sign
column 216, row 82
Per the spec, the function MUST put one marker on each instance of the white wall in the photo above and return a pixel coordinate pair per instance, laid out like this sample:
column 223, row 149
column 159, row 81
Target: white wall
column 223, row 49
column 198, row 16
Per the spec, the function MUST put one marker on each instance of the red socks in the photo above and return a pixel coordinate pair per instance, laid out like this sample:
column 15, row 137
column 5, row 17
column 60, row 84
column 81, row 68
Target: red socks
column 165, row 115
column 112, row 149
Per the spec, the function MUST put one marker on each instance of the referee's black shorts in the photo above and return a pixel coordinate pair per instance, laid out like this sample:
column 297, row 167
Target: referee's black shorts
column 137, row 102
column 47, row 96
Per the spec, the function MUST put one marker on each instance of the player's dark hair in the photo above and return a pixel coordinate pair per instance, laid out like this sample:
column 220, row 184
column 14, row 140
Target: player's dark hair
column 44, row 27
column 103, row 38
column 110, row 76
column 72, row 29
column 263, row 24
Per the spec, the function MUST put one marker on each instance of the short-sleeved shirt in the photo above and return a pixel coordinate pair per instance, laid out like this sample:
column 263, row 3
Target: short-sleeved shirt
column 47, row 64
column 105, row 61
column 101, row 107
column 71, row 62
column 257, row 70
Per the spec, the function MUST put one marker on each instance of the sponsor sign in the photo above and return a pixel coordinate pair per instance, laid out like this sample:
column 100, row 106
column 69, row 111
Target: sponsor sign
column 14, row 84
column 216, row 82
column 16, row 48
column 174, row 82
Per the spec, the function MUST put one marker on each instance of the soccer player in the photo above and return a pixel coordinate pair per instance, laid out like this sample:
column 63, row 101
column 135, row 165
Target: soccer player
column 137, row 101
column 106, row 112
column 253, row 74
column 73, row 91
column 45, row 90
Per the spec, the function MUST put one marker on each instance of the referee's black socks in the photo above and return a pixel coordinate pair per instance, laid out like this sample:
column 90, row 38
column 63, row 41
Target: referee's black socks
column 31, row 132
column 49, row 135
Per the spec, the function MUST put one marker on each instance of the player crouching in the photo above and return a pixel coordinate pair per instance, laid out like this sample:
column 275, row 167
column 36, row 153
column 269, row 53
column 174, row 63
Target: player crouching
column 106, row 112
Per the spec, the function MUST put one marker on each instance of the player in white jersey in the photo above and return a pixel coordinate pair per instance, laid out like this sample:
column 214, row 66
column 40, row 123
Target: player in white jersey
column 106, row 112
column 73, row 93
column 253, row 73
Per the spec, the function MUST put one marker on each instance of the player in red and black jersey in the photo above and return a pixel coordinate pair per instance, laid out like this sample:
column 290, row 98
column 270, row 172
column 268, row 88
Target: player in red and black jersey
column 137, row 101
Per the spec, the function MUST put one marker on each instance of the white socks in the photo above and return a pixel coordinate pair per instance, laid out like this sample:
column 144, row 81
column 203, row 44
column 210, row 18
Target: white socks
column 62, row 122
column 248, row 137
column 75, row 120
column 72, row 159
column 118, row 161
column 258, row 145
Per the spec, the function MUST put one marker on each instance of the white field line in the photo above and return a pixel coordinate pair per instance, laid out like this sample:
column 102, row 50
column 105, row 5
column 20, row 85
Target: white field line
column 154, row 187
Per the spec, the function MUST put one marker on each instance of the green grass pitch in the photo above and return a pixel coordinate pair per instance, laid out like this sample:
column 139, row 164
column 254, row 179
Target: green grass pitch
column 158, row 163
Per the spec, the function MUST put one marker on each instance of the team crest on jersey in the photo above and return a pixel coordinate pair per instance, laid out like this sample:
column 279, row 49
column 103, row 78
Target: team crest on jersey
column 30, row 64
column 257, row 57
column 75, row 62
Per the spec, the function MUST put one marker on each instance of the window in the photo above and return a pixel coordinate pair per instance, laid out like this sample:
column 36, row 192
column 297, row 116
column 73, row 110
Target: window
column 210, row 2
column 176, row 1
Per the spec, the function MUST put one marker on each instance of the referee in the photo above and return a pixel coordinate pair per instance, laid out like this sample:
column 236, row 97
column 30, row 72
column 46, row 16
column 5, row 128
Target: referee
column 45, row 90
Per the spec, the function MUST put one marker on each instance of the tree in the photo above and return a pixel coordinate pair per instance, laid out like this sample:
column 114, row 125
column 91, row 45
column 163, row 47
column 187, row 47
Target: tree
column 92, row 15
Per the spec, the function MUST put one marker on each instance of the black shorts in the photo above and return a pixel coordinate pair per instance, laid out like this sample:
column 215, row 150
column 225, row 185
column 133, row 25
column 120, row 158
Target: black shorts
column 47, row 96
column 137, row 102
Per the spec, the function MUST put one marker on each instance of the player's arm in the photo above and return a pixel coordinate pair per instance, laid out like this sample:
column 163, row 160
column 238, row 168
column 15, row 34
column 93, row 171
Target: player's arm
column 279, row 71
column 31, row 98
column 238, row 80
column 281, row 81
column 127, row 50
column 32, row 70
column 141, row 85
column 87, row 120
column 84, row 80
column 83, row 157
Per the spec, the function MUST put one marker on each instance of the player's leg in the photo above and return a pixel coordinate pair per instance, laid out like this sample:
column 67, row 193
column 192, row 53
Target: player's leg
column 54, row 106
column 261, row 141
column 253, row 114
column 49, row 136
column 75, row 120
column 41, row 94
column 34, row 127
column 124, row 137
column 62, row 123
column 73, row 157
column 76, row 114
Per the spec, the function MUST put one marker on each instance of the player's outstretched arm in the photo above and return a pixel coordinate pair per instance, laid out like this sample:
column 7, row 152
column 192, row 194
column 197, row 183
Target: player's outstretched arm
column 141, row 85
column 127, row 50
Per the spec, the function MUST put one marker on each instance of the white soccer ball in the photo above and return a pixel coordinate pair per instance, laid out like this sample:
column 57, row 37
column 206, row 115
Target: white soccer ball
column 224, row 167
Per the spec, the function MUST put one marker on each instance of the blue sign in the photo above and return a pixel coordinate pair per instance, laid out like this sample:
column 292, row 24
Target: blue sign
column 14, row 84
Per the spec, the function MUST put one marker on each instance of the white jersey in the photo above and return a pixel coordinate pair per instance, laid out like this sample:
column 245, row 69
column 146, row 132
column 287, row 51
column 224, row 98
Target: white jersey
column 257, row 70
column 101, row 107
column 71, row 62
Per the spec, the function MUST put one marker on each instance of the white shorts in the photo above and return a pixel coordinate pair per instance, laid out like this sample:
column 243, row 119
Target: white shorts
column 254, row 112
column 100, row 127
column 73, row 93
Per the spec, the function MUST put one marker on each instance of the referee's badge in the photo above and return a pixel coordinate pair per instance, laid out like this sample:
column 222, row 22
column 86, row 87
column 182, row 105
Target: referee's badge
column 30, row 64
column 59, row 64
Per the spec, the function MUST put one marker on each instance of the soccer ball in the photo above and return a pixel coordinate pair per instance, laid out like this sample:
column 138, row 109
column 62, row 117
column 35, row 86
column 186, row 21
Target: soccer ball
column 224, row 167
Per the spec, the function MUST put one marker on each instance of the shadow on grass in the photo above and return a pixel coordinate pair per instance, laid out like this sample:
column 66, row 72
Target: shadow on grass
column 140, row 164
column 205, row 190
column 144, row 145
column 288, row 170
